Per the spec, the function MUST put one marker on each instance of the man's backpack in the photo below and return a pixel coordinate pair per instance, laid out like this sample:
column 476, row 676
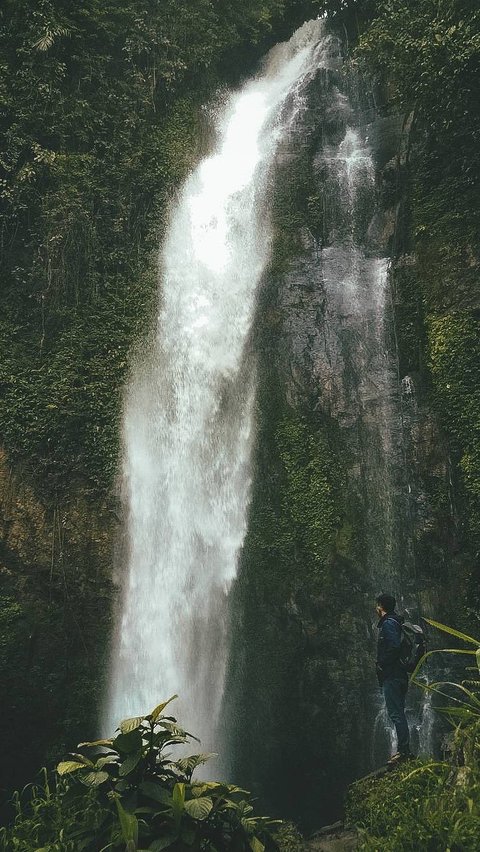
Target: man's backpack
column 413, row 645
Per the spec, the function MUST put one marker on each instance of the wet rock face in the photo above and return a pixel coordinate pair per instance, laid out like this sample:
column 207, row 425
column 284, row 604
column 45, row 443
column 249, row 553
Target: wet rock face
column 331, row 333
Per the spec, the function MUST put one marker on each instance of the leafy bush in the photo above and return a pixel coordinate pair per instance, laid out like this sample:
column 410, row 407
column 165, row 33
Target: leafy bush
column 429, row 807
column 127, row 793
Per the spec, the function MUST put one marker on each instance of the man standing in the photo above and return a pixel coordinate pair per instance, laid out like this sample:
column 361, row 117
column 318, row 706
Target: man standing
column 391, row 675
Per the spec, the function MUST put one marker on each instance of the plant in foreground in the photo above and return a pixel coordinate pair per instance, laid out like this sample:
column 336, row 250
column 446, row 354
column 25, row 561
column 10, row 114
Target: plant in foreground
column 127, row 793
column 463, row 696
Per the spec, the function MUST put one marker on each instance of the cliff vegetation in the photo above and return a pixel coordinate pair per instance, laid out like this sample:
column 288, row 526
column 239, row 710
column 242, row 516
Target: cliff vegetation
column 102, row 115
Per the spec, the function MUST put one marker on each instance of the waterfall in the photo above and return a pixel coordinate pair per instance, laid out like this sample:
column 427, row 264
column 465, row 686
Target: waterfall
column 359, row 366
column 189, row 410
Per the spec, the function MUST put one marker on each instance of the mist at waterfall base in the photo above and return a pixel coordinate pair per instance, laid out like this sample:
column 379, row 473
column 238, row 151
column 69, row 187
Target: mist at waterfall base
column 189, row 412
column 190, row 433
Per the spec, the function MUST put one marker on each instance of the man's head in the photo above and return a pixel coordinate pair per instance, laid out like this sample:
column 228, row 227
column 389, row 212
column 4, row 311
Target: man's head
column 385, row 604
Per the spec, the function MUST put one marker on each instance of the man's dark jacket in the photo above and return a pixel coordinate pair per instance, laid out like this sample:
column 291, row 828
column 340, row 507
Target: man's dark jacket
column 388, row 648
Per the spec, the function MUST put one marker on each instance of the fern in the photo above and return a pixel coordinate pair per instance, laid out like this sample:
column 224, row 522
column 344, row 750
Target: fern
column 47, row 39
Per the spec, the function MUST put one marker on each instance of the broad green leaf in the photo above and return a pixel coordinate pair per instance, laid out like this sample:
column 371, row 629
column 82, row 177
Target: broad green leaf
column 178, row 801
column 94, row 779
column 188, row 835
column 203, row 787
column 68, row 766
column 199, row 808
column 176, row 731
column 162, row 843
column 82, row 759
column 128, row 824
column 153, row 716
column 129, row 725
column 156, row 792
column 227, row 805
column 178, row 795
column 256, row 845
column 128, row 743
column 96, row 743
column 453, row 632
column 106, row 761
column 129, row 763
column 188, row 764
column 172, row 728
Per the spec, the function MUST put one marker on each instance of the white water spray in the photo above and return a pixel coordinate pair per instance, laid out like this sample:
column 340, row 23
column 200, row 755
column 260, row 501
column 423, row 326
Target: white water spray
column 189, row 422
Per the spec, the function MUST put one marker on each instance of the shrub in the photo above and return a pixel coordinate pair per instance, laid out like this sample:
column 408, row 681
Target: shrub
column 127, row 793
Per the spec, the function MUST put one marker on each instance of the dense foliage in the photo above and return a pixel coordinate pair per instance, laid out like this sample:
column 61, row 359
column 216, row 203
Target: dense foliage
column 424, row 807
column 128, row 793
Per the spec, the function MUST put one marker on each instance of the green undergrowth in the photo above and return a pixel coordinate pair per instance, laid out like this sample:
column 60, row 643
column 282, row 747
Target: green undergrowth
column 425, row 806
column 431, row 805
column 129, row 793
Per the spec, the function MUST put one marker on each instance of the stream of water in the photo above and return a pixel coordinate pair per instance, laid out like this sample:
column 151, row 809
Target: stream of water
column 189, row 410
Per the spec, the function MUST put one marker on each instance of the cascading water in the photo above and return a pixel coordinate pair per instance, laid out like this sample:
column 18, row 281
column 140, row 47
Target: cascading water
column 331, row 407
column 362, row 365
column 188, row 421
column 362, row 369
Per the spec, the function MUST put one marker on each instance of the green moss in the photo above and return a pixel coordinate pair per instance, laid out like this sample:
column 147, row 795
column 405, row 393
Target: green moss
column 312, row 494
column 297, row 511
column 454, row 347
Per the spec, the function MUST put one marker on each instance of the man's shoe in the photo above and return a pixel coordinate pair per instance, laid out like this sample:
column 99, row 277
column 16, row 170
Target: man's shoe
column 400, row 757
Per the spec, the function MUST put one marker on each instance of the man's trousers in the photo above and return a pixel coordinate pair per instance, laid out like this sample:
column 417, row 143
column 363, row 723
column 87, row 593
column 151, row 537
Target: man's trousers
column 395, row 690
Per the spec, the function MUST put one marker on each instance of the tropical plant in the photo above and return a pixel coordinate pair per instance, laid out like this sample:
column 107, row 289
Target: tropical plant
column 465, row 694
column 128, row 793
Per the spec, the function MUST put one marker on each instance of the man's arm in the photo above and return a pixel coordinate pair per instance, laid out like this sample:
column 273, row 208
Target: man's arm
column 390, row 638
